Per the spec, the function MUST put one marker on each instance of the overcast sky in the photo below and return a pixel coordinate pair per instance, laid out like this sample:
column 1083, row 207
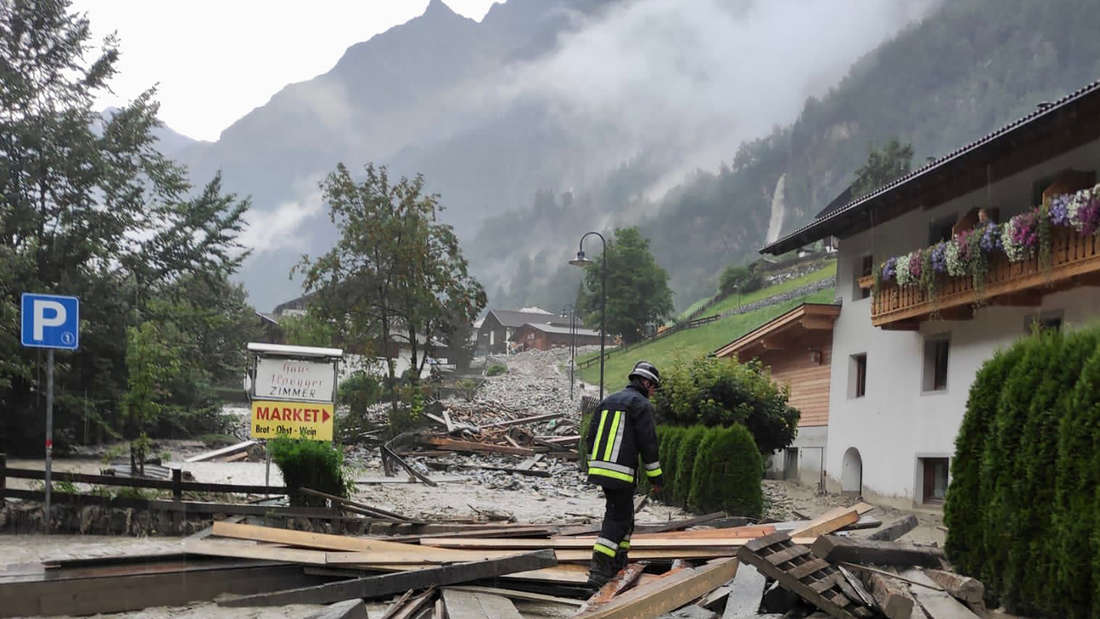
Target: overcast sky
column 216, row 60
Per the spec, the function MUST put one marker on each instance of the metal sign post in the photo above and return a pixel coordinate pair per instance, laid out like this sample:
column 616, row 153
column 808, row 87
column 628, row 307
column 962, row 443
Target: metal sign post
column 49, row 321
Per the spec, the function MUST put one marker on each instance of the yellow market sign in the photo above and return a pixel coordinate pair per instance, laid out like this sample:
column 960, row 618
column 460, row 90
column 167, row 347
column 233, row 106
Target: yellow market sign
column 310, row 420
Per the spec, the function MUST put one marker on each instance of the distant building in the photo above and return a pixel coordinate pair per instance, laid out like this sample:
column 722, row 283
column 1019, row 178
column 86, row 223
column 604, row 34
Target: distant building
column 797, row 346
column 552, row 335
column 498, row 326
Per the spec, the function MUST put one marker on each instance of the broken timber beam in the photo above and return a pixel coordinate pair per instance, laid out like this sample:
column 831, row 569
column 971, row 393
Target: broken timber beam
column 837, row 549
column 892, row 596
column 388, row 584
column 388, row 453
column 516, row 422
column 895, row 529
column 371, row 511
column 472, row 605
column 832, row 520
column 450, row 444
column 965, row 588
column 667, row 593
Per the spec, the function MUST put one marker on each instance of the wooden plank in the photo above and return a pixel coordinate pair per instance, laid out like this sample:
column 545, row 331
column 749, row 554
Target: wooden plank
column 478, row 605
column 562, row 543
column 828, row 522
column 518, row 471
column 367, row 481
column 450, row 444
column 647, row 527
column 749, row 532
column 390, row 558
column 892, row 596
column 519, row 595
column 836, row 549
column 525, row 531
column 224, row 451
column 861, row 593
column 348, row 609
column 116, row 593
column 324, row 541
column 516, row 422
column 388, row 584
column 216, row 548
column 667, row 593
column 938, row 604
column 140, row 482
column 895, row 529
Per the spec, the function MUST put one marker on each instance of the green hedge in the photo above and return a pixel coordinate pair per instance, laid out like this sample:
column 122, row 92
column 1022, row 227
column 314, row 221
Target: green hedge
column 683, row 461
column 728, row 468
column 1022, row 505
column 316, row 465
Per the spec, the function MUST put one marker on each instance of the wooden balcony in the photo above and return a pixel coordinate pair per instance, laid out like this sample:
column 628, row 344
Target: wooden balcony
column 1075, row 261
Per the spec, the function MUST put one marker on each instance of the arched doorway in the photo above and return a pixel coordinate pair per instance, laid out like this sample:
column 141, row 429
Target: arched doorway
column 851, row 473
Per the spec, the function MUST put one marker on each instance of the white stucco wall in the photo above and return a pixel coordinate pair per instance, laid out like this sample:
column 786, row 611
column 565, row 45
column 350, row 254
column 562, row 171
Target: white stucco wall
column 896, row 423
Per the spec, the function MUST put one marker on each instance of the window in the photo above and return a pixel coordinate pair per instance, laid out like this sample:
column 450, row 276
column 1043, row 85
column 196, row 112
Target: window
column 864, row 267
column 1043, row 321
column 936, row 350
column 940, row 230
column 857, row 376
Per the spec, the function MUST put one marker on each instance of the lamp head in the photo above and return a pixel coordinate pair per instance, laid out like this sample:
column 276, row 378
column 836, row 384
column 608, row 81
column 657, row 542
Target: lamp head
column 580, row 260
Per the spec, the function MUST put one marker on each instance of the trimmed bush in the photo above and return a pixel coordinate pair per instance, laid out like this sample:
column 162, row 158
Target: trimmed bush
column 496, row 369
column 728, row 468
column 670, row 448
column 1074, row 517
column 316, row 465
column 1023, row 503
column 722, row 392
column 963, row 511
column 685, row 463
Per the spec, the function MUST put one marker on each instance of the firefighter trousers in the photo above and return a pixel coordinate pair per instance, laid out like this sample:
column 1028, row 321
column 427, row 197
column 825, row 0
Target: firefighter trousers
column 618, row 523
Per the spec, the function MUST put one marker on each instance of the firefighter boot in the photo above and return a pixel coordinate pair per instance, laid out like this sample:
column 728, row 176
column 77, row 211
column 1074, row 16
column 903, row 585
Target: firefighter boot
column 601, row 570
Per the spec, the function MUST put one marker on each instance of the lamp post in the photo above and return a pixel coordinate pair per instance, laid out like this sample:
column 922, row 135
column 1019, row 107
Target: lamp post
column 581, row 261
column 572, row 342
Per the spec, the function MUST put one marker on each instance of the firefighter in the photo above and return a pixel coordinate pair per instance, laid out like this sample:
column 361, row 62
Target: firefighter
column 621, row 429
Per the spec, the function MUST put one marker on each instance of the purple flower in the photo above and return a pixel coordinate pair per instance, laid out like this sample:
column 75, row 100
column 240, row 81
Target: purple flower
column 1089, row 216
column 889, row 268
column 991, row 238
column 938, row 259
column 1059, row 210
column 1025, row 230
column 914, row 264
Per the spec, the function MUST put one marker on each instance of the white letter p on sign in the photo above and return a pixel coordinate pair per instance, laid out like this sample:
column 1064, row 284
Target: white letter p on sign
column 41, row 307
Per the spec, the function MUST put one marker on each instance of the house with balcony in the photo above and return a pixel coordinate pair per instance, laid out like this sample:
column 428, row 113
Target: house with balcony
column 941, row 268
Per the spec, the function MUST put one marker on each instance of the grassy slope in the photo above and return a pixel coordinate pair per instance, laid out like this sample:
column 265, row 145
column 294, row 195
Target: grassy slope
column 731, row 301
column 695, row 342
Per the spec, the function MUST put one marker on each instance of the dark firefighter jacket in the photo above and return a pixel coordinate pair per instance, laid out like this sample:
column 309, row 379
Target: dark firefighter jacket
column 622, row 428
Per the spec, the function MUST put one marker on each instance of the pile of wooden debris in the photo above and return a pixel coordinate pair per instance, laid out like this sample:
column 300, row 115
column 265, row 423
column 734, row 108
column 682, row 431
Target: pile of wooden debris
column 709, row 566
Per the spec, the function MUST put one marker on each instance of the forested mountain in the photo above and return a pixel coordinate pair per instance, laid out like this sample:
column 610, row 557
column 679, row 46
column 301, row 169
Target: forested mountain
column 703, row 122
column 967, row 68
column 614, row 99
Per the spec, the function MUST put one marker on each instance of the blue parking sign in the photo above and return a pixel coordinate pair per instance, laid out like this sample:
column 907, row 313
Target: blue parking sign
column 50, row 321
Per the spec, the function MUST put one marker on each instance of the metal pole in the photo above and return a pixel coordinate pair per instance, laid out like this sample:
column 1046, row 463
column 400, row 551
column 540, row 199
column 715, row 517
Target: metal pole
column 603, row 307
column 572, row 346
column 49, row 432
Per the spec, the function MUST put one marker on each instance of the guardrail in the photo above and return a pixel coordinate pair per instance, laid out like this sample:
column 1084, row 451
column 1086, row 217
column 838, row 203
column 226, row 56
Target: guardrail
column 176, row 484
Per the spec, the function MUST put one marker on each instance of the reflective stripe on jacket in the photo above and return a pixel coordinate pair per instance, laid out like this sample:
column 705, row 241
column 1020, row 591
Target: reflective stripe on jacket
column 621, row 430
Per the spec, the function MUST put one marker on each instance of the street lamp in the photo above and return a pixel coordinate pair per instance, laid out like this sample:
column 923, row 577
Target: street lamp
column 581, row 261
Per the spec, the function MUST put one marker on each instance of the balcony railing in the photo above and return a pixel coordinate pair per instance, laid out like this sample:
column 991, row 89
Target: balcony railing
column 1074, row 261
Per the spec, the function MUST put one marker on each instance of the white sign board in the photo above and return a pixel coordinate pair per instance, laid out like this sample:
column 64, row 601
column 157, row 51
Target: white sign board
column 294, row 379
